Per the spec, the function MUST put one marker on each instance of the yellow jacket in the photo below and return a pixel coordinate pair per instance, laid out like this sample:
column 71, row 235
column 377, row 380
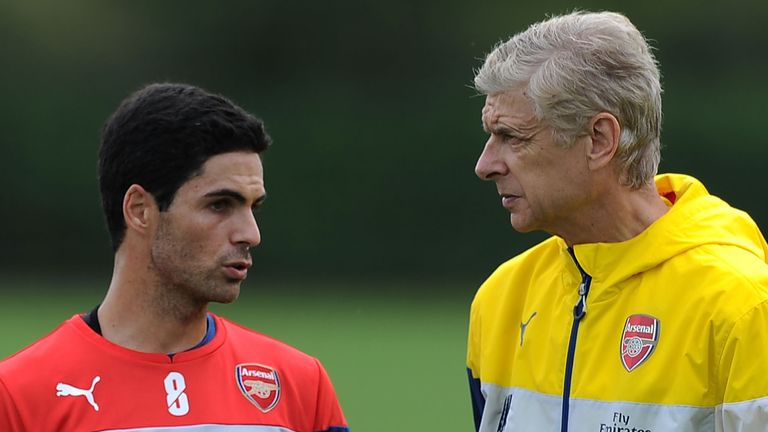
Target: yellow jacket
column 670, row 334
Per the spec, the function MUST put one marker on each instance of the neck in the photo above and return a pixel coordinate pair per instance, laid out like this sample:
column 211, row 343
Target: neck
column 615, row 216
column 142, row 313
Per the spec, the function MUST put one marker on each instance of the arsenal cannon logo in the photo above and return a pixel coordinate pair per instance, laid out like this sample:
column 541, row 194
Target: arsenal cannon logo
column 640, row 336
column 259, row 384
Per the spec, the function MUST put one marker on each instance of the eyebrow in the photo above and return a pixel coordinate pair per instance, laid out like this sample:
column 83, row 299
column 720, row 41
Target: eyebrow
column 237, row 196
column 503, row 130
column 521, row 131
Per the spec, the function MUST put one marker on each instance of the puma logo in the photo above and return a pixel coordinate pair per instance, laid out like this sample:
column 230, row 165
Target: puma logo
column 67, row 390
column 524, row 326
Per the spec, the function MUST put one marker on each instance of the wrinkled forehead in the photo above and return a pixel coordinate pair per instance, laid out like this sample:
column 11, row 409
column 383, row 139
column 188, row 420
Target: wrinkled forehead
column 511, row 108
column 490, row 114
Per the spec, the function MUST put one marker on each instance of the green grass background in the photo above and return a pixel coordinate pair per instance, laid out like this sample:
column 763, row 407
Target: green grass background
column 395, row 352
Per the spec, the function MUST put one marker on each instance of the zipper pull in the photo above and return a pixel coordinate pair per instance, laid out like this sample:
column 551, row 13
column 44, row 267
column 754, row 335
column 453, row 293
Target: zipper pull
column 586, row 280
column 581, row 307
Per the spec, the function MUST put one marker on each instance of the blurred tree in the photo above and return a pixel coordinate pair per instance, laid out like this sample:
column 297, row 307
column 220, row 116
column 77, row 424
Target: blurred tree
column 375, row 124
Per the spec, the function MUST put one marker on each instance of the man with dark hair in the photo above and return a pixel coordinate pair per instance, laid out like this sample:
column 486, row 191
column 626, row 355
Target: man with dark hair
column 647, row 308
column 180, row 174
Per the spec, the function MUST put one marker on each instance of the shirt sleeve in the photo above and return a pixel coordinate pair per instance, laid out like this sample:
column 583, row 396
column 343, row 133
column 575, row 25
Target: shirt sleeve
column 473, row 365
column 328, row 415
column 743, row 375
column 476, row 396
column 9, row 416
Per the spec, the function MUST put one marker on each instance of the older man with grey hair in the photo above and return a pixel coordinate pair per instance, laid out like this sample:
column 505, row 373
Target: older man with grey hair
column 568, row 335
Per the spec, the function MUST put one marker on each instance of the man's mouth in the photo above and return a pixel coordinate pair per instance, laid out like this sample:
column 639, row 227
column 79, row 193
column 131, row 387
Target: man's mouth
column 508, row 200
column 237, row 270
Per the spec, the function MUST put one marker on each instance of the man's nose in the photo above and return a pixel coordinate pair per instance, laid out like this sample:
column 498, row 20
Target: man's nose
column 489, row 165
column 248, row 231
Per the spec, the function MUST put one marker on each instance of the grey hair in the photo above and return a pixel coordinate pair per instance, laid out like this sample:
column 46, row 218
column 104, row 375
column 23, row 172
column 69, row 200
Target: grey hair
column 575, row 66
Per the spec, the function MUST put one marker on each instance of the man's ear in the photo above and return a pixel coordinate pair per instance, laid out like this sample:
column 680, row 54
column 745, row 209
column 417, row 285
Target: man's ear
column 139, row 208
column 604, row 131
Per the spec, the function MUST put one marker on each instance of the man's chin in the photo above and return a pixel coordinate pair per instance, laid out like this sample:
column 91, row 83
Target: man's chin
column 229, row 293
column 520, row 225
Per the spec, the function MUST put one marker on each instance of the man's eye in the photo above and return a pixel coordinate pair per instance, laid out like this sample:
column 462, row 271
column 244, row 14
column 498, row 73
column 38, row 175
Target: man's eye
column 219, row 206
column 511, row 139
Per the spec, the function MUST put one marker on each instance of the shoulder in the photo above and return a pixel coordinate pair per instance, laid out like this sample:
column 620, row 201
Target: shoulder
column 248, row 342
column 542, row 258
column 35, row 368
column 55, row 346
column 730, row 272
column 739, row 263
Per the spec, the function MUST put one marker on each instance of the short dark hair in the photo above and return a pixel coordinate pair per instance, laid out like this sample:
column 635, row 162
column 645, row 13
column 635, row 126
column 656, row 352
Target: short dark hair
column 160, row 136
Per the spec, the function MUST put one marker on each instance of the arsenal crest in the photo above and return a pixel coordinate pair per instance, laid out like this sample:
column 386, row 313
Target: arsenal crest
column 259, row 384
column 641, row 333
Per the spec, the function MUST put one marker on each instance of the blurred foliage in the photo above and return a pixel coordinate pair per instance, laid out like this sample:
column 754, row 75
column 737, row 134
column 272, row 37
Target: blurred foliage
column 375, row 125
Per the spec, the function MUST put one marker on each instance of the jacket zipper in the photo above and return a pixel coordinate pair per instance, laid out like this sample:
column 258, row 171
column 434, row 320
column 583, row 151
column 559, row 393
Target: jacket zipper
column 578, row 313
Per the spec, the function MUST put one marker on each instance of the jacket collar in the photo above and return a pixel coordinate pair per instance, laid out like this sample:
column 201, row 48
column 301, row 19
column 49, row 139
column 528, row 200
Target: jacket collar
column 695, row 218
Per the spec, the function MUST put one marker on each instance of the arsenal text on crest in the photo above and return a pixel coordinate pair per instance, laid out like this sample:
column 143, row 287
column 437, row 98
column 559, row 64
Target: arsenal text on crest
column 638, row 340
column 259, row 384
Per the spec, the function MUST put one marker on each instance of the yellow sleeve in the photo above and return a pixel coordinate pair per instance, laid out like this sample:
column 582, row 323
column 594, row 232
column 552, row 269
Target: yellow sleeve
column 743, row 374
column 473, row 339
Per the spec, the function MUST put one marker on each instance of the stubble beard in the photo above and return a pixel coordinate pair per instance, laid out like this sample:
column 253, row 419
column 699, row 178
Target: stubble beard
column 185, row 284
